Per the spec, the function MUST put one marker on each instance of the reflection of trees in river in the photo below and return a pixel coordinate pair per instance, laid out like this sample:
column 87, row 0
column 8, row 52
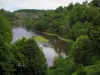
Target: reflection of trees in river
column 58, row 45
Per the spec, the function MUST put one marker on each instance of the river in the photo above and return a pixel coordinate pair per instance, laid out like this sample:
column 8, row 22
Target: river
column 51, row 49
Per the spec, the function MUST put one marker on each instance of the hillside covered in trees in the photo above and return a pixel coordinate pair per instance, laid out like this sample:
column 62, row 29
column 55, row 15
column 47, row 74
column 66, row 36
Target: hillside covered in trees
column 78, row 23
column 25, row 15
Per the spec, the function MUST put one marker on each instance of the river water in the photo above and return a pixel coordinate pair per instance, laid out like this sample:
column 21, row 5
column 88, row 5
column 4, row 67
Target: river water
column 51, row 49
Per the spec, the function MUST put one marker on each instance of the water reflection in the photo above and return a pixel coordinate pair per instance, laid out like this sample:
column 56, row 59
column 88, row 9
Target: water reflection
column 22, row 32
column 51, row 49
column 59, row 46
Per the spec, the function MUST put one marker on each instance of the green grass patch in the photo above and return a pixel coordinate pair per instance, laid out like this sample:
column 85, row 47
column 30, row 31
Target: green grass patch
column 41, row 39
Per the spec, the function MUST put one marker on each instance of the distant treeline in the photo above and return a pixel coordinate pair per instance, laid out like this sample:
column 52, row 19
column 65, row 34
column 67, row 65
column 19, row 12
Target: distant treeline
column 29, row 10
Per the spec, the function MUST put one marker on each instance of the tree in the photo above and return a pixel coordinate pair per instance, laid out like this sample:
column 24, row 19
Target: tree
column 82, row 50
column 83, row 14
column 95, row 3
column 31, row 60
column 6, row 68
column 80, row 71
column 59, row 9
column 62, row 66
column 79, row 29
column 95, row 37
column 70, row 6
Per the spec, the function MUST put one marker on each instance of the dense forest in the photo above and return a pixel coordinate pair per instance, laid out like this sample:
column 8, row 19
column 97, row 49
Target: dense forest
column 22, row 57
column 78, row 24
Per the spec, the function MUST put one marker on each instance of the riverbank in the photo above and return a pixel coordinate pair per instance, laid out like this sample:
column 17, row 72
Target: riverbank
column 60, row 37
column 50, row 48
column 68, row 41
column 50, row 34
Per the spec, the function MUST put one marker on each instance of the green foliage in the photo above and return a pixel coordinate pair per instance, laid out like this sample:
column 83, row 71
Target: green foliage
column 80, row 71
column 88, row 70
column 96, row 3
column 29, row 58
column 83, row 14
column 5, row 58
column 70, row 6
column 62, row 66
column 5, row 28
column 69, row 45
column 40, row 25
column 93, row 70
column 79, row 29
column 82, row 50
column 95, row 37
column 50, row 72
column 6, row 68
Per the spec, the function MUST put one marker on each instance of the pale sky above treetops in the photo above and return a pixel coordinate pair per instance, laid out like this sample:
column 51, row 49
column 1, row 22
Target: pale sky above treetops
column 12, row 5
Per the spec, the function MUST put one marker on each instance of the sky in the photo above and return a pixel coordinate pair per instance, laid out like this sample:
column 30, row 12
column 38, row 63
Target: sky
column 12, row 5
